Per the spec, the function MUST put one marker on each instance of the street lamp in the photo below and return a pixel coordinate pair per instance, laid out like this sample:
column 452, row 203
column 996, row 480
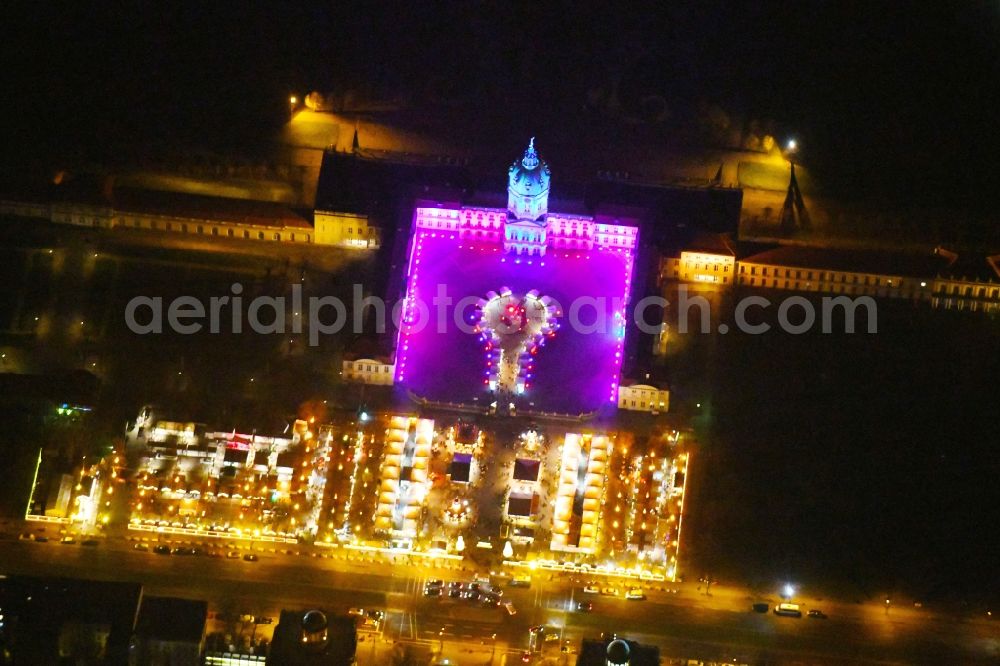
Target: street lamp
column 791, row 148
column 788, row 591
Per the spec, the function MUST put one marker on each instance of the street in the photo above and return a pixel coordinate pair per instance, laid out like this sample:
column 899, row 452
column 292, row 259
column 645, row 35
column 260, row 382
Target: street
column 685, row 624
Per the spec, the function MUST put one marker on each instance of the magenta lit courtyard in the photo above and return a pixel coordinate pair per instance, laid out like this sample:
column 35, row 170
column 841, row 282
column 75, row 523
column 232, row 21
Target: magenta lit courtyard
column 570, row 369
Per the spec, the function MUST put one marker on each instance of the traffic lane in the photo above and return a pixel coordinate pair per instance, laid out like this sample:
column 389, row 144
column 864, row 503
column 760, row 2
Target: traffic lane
column 184, row 575
column 303, row 584
column 766, row 633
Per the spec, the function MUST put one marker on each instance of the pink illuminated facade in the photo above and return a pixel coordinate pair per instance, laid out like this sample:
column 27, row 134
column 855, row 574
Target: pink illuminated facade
column 532, row 251
column 560, row 232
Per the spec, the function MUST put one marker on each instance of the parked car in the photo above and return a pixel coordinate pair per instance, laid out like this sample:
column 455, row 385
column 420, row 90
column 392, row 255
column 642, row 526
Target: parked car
column 510, row 608
column 67, row 539
column 635, row 594
column 760, row 607
column 590, row 589
column 250, row 557
column 818, row 614
column 490, row 599
column 788, row 610
column 232, row 555
column 162, row 549
column 141, row 546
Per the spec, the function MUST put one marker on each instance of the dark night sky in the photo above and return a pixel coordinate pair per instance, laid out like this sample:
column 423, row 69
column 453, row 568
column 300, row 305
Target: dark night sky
column 895, row 101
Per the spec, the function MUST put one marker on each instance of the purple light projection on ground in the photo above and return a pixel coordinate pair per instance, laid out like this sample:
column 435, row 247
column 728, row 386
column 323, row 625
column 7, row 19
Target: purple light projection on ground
column 577, row 371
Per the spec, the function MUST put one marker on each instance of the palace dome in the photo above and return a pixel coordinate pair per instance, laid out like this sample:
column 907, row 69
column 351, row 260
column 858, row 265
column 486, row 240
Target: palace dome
column 528, row 186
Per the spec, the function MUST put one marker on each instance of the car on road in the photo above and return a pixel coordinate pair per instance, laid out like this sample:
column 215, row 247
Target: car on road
column 788, row 610
column 434, row 583
column 455, row 592
column 90, row 543
column 818, row 614
column 41, row 539
column 232, row 555
column 181, row 550
column 141, row 546
column 525, row 657
column 67, row 539
column 162, row 549
column 490, row 599
column 432, row 591
column 250, row 557
column 635, row 594
column 356, row 611
column 584, row 606
column 590, row 589
column 761, row 607
column 377, row 615
column 521, row 581
column 609, row 591
column 510, row 608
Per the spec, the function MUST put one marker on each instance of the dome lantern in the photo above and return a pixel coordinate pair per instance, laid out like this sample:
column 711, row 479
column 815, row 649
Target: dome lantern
column 528, row 187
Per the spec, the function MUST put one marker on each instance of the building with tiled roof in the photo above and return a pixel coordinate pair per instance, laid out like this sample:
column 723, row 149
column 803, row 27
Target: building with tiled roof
column 943, row 278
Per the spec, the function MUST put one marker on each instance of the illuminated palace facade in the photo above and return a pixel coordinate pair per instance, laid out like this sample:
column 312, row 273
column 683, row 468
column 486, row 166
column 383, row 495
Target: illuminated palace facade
column 520, row 267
